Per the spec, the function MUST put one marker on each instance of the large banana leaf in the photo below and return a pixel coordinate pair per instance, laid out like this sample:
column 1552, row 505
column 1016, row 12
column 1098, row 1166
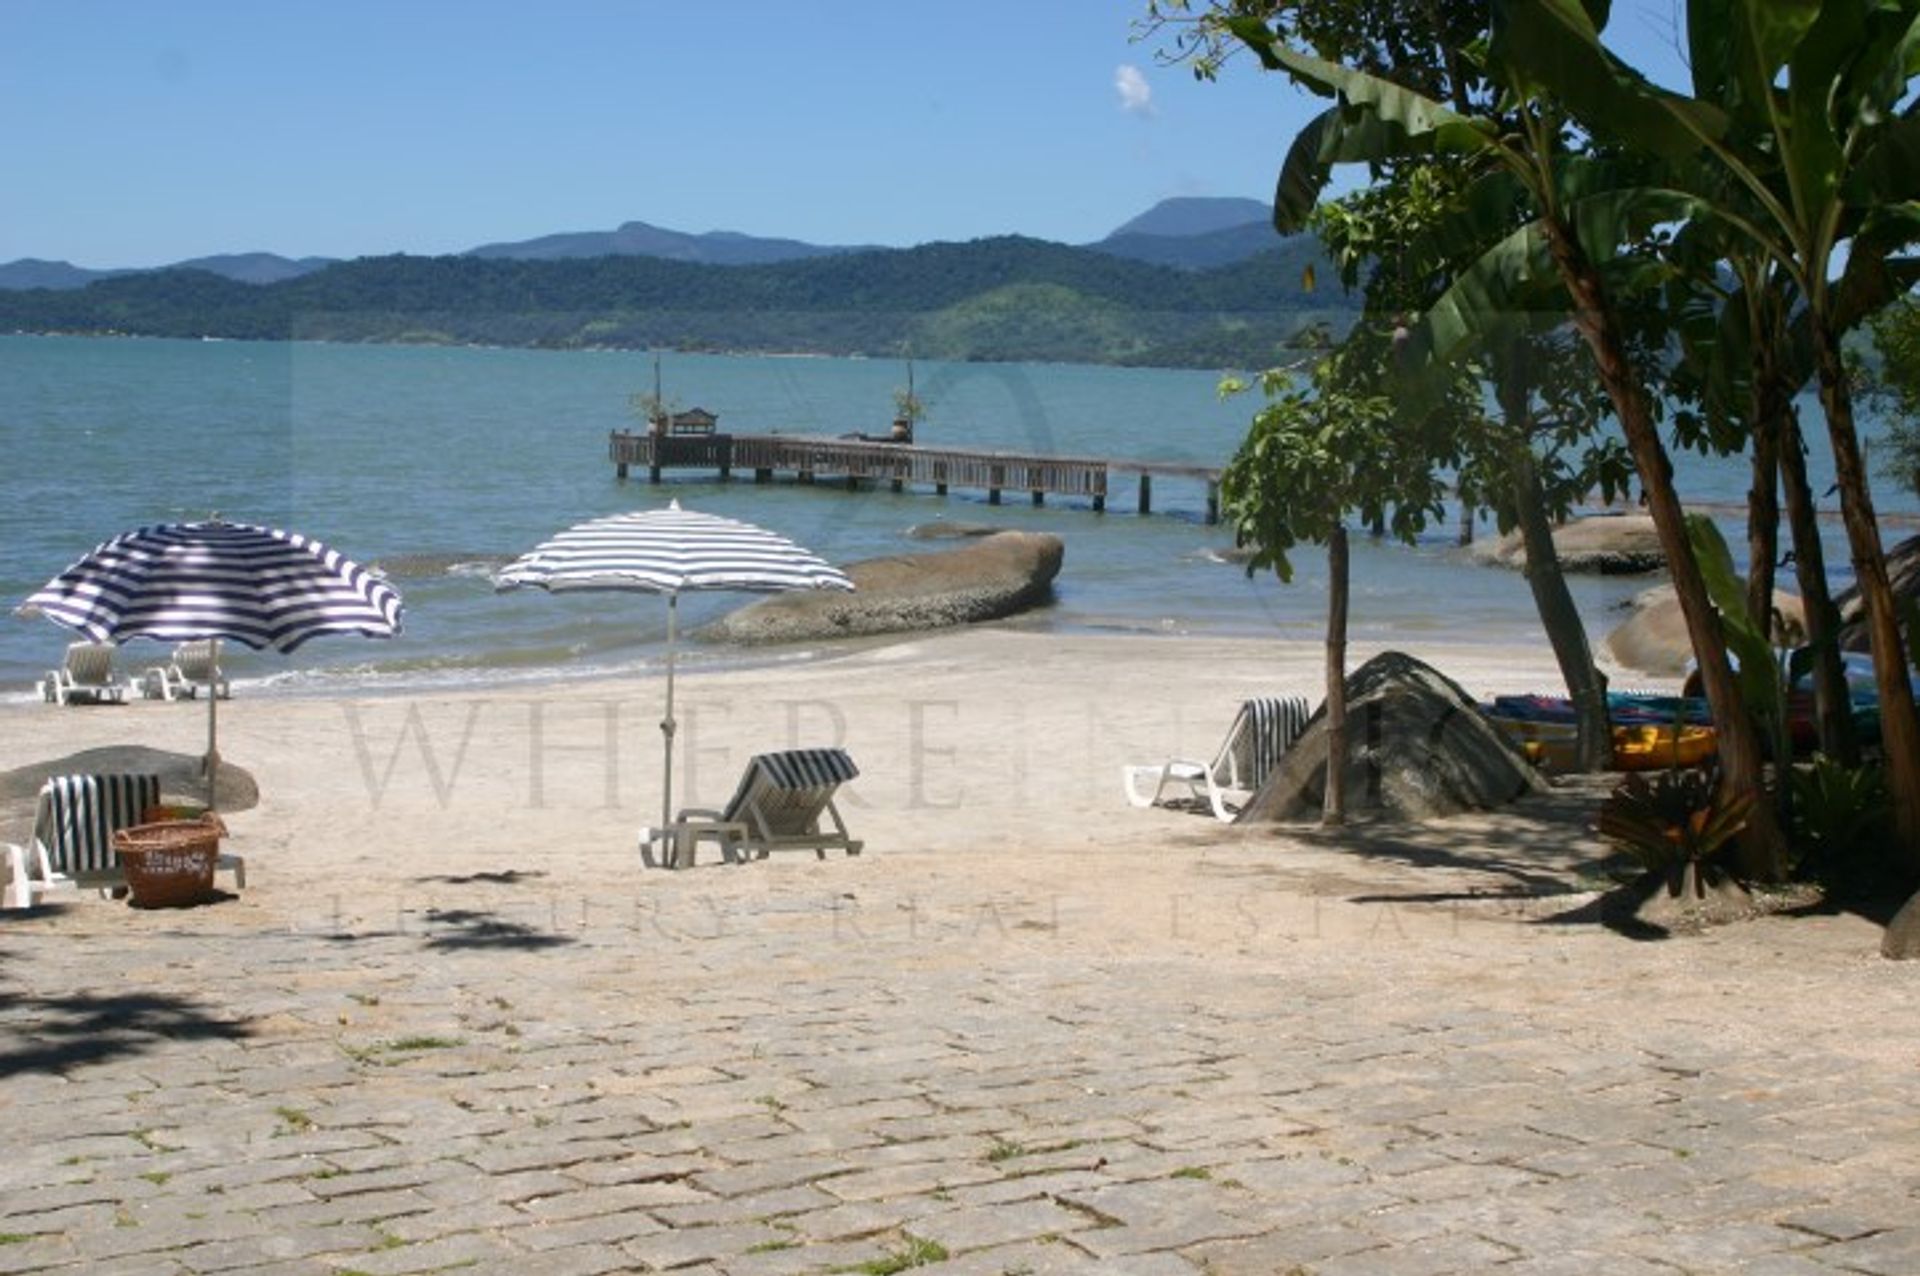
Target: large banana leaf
column 1341, row 134
column 1554, row 45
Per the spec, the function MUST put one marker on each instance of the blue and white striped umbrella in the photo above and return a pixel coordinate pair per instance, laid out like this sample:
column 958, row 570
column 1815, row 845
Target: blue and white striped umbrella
column 257, row 586
column 669, row 551
column 180, row 582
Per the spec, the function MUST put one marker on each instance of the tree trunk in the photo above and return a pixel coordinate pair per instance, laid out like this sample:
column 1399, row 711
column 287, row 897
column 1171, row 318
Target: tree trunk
column 1559, row 617
column 1760, row 850
column 1899, row 725
column 1833, row 703
column 1333, row 807
column 1763, row 500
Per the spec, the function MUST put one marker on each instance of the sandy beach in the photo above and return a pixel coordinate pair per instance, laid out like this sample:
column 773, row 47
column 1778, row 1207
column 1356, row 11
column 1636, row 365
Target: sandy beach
column 1031, row 1027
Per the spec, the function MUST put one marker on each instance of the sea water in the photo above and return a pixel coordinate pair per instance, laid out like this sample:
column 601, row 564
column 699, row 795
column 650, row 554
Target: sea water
column 440, row 464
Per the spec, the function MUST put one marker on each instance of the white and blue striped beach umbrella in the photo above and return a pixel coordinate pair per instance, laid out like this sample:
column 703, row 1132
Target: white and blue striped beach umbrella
column 670, row 551
column 181, row 582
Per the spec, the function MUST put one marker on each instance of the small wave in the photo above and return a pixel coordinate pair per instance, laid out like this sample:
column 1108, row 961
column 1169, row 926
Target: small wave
column 425, row 566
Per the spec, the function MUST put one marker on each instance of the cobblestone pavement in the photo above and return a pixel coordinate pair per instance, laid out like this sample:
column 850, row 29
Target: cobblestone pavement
column 852, row 1067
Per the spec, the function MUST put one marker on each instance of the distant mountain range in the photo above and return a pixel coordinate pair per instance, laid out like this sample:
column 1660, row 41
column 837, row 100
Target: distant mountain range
column 1189, row 284
column 1185, row 233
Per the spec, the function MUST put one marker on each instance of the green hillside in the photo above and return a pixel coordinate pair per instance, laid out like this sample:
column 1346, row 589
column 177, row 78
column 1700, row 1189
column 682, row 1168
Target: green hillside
column 994, row 299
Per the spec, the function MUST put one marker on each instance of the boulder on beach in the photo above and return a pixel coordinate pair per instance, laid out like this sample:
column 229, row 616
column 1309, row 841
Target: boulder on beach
column 181, row 779
column 1603, row 544
column 1416, row 748
column 1903, row 572
column 1654, row 638
column 987, row 579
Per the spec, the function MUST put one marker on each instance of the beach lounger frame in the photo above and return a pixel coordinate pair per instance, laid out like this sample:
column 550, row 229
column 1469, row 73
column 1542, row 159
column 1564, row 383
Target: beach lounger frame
column 86, row 675
column 71, row 846
column 192, row 665
column 1262, row 732
column 784, row 802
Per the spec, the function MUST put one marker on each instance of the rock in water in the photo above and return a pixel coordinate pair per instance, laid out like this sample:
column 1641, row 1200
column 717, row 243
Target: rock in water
column 1606, row 544
column 986, row 579
column 1416, row 748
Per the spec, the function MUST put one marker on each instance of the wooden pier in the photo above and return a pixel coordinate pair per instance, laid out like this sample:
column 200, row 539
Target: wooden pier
column 854, row 462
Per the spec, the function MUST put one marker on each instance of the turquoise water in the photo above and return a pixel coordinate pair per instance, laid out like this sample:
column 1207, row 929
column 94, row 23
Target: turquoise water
column 440, row 464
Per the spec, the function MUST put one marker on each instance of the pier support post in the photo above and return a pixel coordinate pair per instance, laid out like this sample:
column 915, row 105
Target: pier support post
column 1146, row 493
column 1213, row 503
column 996, row 477
column 853, row 482
column 899, row 485
column 763, row 476
column 1039, row 497
column 1100, row 503
column 620, row 471
column 653, row 474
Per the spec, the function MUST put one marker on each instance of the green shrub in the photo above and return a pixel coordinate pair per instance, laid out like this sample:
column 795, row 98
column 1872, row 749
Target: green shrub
column 1678, row 817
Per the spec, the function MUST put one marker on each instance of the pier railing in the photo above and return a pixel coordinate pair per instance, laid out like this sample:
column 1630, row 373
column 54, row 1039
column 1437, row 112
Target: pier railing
column 812, row 459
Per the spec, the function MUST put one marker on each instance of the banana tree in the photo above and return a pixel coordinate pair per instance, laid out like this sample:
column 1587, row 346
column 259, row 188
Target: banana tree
column 1813, row 126
column 1582, row 213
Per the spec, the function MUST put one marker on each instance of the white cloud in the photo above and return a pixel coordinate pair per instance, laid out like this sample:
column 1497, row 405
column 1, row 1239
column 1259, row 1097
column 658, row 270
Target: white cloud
column 1136, row 95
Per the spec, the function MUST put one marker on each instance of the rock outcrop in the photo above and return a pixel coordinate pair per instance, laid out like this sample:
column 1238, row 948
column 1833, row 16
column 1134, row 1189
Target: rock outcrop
column 1903, row 572
column 987, row 579
column 1604, row 544
column 1416, row 748
column 1654, row 639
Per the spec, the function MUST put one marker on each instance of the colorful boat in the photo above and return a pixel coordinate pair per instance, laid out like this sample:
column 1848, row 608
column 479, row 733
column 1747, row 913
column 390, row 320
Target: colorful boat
column 1636, row 746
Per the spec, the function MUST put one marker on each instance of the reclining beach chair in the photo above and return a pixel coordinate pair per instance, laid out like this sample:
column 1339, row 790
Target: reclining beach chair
column 192, row 666
column 1261, row 734
column 778, row 806
column 72, row 841
column 85, row 674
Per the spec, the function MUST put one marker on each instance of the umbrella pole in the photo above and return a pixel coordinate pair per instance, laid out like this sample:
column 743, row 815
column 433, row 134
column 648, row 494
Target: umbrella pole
column 213, row 722
column 667, row 730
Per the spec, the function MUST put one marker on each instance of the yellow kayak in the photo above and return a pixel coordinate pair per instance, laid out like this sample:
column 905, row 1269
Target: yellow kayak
column 1550, row 745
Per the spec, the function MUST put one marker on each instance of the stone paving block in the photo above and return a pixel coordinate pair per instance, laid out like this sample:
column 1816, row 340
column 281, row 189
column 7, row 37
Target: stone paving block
column 507, row 1189
column 468, row 1249
column 766, row 1176
column 364, row 1207
column 36, row 1252
column 906, row 1180
column 450, row 1220
column 589, row 1201
column 1894, row 1252
column 1285, row 1249
column 685, row 1246
column 1432, row 1257
column 278, row 1246
column 861, row 1219
column 540, row 1235
column 641, row 1169
column 753, row 1207
column 776, row 1258
column 983, row 1227
column 1716, row 1246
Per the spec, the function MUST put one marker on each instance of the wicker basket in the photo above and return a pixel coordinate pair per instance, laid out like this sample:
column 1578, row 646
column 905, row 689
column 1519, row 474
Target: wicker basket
column 170, row 864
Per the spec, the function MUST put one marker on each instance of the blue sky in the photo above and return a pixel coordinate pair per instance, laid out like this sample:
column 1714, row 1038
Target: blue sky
column 139, row 132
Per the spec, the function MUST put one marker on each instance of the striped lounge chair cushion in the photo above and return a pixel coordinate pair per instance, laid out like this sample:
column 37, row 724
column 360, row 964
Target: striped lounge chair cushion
column 789, row 790
column 82, row 813
column 1268, row 727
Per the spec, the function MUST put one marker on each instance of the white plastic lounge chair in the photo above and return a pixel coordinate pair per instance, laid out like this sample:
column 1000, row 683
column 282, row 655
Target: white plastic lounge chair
column 777, row 807
column 72, row 842
column 1261, row 734
column 85, row 674
column 192, row 666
